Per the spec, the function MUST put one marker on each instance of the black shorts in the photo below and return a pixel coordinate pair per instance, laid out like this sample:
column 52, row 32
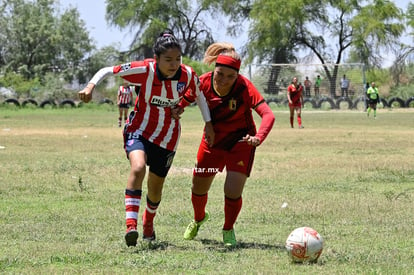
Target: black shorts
column 372, row 101
column 159, row 159
column 124, row 105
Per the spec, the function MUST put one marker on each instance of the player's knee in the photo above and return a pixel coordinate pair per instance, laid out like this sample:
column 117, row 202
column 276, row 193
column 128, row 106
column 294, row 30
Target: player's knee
column 138, row 167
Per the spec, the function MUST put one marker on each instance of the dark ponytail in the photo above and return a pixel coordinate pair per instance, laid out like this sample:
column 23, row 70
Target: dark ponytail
column 165, row 41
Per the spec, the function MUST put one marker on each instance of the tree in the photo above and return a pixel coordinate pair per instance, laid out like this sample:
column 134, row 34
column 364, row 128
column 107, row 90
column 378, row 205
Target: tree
column 107, row 56
column 149, row 18
column 29, row 32
column 405, row 53
column 326, row 29
column 74, row 45
column 274, row 35
column 39, row 41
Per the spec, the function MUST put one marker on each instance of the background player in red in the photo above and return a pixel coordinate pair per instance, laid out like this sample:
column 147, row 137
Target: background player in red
column 152, row 133
column 123, row 101
column 231, row 98
column 295, row 98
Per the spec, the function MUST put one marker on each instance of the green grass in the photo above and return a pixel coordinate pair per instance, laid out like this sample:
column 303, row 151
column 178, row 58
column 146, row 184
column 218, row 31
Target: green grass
column 63, row 174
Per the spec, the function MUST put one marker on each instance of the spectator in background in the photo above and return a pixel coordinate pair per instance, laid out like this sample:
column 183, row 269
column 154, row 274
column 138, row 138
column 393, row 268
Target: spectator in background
column 373, row 99
column 123, row 101
column 317, row 85
column 308, row 85
column 344, row 86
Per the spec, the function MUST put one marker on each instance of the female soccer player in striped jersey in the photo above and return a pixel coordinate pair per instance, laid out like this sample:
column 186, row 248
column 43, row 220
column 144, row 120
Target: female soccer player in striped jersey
column 152, row 133
column 123, row 100
column 231, row 98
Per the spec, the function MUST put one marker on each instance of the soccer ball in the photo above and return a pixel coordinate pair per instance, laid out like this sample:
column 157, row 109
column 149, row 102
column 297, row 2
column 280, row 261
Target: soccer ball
column 304, row 244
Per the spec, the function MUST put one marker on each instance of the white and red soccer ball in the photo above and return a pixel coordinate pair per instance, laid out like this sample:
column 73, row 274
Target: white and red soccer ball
column 304, row 244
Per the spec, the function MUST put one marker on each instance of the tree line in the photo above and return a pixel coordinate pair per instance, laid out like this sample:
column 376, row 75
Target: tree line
column 39, row 42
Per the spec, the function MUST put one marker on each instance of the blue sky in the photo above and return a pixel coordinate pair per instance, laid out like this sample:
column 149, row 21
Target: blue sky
column 93, row 13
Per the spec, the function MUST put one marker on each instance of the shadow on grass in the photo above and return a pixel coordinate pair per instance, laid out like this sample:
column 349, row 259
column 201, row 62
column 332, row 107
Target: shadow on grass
column 216, row 245
column 209, row 244
column 155, row 245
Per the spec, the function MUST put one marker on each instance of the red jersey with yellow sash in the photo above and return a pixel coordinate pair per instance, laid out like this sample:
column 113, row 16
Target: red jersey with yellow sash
column 231, row 114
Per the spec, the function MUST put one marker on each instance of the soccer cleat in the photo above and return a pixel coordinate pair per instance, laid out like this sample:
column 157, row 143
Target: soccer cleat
column 192, row 229
column 301, row 127
column 131, row 236
column 148, row 232
column 229, row 238
column 149, row 238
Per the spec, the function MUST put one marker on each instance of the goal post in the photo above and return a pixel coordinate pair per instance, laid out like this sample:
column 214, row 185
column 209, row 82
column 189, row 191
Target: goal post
column 273, row 79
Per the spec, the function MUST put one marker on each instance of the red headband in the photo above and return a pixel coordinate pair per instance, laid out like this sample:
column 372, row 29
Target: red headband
column 228, row 61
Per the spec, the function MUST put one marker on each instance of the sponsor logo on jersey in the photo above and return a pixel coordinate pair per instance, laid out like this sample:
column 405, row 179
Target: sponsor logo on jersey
column 163, row 101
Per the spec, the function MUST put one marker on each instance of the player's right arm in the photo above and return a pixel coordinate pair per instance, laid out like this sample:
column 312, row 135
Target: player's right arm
column 86, row 94
column 132, row 72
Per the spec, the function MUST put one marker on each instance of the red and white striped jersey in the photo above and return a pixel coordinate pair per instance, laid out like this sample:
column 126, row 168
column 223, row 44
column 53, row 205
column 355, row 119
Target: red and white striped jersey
column 124, row 95
column 152, row 118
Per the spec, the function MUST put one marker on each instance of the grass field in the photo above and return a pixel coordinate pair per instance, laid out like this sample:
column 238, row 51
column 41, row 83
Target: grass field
column 63, row 174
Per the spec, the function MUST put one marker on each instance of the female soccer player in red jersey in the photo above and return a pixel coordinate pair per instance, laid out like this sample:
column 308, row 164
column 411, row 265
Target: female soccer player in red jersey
column 295, row 98
column 152, row 133
column 231, row 98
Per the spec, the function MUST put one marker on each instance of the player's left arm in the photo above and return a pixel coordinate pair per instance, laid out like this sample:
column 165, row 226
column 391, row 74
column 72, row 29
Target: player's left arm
column 268, row 119
column 264, row 111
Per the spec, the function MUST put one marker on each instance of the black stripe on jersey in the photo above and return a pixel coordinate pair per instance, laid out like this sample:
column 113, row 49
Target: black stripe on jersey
column 187, row 99
column 255, row 106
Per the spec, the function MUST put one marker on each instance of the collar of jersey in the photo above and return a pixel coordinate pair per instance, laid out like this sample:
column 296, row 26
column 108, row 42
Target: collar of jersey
column 162, row 78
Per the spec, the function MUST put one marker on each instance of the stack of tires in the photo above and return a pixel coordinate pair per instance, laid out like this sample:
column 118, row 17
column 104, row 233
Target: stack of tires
column 66, row 103
column 345, row 103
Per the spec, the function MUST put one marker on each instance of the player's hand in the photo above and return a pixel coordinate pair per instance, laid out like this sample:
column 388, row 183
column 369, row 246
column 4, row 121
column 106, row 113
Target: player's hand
column 176, row 112
column 86, row 94
column 209, row 134
column 252, row 140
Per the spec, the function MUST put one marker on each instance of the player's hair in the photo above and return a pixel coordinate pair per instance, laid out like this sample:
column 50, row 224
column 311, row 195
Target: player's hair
column 165, row 41
column 215, row 49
